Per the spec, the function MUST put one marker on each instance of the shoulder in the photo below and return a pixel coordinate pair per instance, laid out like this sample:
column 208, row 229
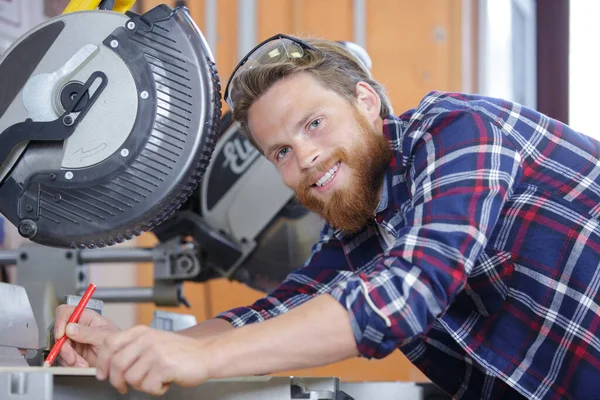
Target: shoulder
column 437, row 105
column 437, row 101
column 449, row 114
column 451, row 122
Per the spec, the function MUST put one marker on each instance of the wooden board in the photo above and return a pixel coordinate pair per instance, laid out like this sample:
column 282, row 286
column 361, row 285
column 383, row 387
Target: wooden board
column 53, row 370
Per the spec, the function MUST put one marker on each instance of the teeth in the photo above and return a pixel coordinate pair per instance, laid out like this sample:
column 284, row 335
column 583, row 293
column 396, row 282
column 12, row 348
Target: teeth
column 328, row 176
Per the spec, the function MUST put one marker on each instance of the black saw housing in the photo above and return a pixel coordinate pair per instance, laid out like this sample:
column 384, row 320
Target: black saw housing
column 167, row 150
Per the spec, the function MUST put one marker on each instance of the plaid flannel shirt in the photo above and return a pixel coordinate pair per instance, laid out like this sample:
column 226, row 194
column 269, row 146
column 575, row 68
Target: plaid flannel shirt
column 482, row 262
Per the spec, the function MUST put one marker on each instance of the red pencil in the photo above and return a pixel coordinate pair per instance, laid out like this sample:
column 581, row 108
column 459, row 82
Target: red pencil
column 74, row 318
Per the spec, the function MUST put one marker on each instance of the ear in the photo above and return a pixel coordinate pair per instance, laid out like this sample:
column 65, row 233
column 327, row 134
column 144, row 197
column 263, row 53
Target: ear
column 368, row 101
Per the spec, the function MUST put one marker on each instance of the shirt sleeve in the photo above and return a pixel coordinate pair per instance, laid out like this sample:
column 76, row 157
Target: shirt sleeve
column 325, row 269
column 463, row 171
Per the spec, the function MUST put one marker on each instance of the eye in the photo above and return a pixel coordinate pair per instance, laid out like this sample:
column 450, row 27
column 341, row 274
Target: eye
column 282, row 153
column 315, row 124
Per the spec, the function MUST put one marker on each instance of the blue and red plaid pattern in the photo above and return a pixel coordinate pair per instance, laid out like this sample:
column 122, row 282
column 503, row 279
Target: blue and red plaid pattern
column 482, row 263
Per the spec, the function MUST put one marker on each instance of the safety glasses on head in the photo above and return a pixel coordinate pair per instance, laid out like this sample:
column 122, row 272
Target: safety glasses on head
column 275, row 48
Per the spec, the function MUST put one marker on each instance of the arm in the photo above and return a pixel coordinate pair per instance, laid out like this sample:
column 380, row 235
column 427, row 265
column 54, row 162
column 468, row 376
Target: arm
column 207, row 329
column 316, row 333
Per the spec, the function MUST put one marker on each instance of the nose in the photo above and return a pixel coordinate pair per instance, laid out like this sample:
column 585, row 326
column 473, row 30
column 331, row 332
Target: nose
column 307, row 155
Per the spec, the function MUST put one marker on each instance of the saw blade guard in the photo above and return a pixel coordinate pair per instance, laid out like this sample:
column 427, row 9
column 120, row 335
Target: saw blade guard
column 108, row 122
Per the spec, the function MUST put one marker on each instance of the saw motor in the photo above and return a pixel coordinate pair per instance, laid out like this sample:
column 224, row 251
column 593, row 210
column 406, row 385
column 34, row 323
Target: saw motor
column 107, row 124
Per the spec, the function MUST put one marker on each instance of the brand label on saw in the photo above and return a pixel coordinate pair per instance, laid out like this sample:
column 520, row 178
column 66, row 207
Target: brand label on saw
column 239, row 154
column 230, row 164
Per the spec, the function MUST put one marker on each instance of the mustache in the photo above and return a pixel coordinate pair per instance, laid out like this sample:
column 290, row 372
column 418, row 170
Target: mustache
column 310, row 177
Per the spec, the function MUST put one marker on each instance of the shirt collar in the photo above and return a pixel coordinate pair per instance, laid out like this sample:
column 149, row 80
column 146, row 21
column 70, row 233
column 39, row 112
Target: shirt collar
column 392, row 130
column 384, row 200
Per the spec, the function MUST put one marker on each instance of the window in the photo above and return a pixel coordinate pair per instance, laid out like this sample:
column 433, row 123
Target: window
column 584, row 66
column 507, row 50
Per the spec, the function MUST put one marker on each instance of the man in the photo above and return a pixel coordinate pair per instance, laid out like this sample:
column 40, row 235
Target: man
column 463, row 232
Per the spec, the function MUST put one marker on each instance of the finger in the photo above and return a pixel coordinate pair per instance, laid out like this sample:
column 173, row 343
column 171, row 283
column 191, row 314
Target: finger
column 81, row 362
column 67, row 357
column 156, row 382
column 136, row 374
column 113, row 344
column 63, row 313
column 86, row 334
column 78, row 362
column 122, row 360
column 97, row 320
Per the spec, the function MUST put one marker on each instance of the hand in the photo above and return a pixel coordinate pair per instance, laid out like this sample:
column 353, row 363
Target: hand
column 85, row 338
column 150, row 360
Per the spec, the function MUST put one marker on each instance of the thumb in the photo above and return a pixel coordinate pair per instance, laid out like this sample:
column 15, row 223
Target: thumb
column 85, row 334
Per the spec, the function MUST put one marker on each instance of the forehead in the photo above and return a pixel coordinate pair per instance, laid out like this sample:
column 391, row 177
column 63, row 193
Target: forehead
column 285, row 104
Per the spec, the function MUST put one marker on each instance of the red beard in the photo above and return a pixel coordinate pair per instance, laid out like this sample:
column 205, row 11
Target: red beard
column 350, row 208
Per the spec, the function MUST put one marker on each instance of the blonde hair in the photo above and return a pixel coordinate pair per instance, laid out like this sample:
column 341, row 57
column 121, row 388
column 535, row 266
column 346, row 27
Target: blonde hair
column 333, row 65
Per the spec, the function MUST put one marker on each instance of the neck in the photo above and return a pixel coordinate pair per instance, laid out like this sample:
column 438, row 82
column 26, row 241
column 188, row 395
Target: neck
column 379, row 125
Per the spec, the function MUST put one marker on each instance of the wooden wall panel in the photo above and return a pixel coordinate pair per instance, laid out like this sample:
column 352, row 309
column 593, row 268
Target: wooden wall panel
column 324, row 19
column 415, row 48
column 410, row 44
column 226, row 38
column 196, row 8
column 330, row 19
column 146, row 5
column 274, row 17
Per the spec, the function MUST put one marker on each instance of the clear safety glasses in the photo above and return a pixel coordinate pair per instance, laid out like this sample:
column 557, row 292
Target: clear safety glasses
column 273, row 49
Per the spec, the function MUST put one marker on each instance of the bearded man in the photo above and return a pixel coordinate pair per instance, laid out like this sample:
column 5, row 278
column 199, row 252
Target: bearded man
column 463, row 232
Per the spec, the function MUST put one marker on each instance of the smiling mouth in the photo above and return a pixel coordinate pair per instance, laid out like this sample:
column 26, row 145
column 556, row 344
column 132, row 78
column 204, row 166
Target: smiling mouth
column 328, row 176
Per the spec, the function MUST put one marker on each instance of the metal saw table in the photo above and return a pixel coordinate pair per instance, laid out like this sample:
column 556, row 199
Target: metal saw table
column 46, row 385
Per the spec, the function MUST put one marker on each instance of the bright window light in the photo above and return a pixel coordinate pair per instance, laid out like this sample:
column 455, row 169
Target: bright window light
column 584, row 67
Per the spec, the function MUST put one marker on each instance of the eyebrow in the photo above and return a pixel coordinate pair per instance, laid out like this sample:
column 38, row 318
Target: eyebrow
column 272, row 148
column 299, row 125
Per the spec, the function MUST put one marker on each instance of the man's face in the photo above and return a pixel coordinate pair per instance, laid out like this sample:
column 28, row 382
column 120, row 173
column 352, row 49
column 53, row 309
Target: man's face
column 327, row 150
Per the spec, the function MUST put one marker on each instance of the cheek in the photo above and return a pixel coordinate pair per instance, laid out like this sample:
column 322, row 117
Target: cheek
column 344, row 137
column 290, row 175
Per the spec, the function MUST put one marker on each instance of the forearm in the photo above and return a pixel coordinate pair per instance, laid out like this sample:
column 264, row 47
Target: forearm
column 208, row 329
column 313, row 334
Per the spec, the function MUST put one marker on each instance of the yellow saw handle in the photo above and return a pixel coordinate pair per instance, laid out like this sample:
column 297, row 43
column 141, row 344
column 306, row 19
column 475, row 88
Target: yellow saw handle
column 123, row 5
column 80, row 5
